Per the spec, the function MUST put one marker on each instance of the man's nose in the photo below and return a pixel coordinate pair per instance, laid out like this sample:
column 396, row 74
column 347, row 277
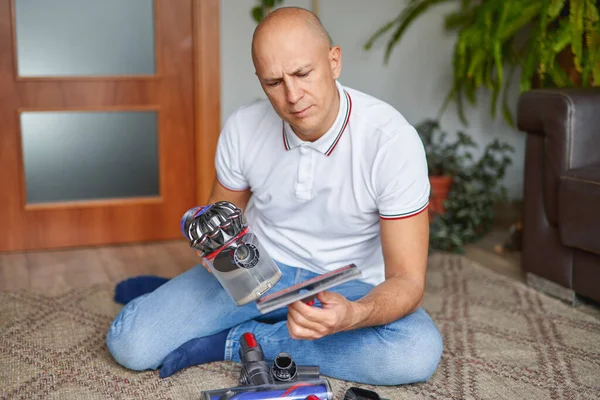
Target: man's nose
column 293, row 92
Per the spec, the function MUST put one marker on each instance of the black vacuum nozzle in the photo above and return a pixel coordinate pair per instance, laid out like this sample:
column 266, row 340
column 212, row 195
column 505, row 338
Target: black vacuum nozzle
column 255, row 370
column 284, row 368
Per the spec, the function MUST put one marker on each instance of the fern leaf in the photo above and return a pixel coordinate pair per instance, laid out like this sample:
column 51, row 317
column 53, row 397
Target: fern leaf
column 461, row 109
column 508, row 115
column 559, row 76
column 587, row 67
column 504, row 12
column 592, row 12
column 480, row 75
column 495, row 89
column 528, row 70
column 390, row 24
column 381, row 31
column 476, row 62
column 592, row 43
column 498, row 60
column 469, row 90
column 409, row 17
column 460, row 65
column 562, row 37
column 555, row 8
column 526, row 15
column 458, row 19
column 544, row 18
column 576, row 13
column 505, row 108
column 596, row 67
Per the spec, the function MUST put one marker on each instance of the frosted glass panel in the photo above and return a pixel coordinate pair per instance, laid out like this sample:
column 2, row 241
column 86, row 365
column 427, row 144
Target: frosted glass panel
column 89, row 155
column 84, row 37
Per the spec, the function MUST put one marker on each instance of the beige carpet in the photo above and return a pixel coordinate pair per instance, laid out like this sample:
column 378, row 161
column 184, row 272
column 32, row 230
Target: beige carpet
column 502, row 341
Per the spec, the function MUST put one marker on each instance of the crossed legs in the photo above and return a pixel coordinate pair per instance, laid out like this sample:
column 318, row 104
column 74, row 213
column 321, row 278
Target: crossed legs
column 194, row 305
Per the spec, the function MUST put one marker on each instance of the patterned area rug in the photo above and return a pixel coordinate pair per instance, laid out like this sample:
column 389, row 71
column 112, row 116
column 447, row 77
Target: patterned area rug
column 503, row 340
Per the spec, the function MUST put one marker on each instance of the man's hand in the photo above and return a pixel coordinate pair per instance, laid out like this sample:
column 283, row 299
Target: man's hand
column 309, row 322
column 405, row 244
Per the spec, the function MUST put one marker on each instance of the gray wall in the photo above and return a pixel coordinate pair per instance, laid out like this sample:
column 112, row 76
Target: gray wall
column 415, row 81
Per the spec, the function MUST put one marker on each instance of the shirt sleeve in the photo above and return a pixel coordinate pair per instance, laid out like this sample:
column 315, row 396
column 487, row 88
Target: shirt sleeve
column 228, row 161
column 401, row 177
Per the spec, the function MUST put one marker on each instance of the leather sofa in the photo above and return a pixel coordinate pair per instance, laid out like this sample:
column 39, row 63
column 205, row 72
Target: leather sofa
column 561, row 215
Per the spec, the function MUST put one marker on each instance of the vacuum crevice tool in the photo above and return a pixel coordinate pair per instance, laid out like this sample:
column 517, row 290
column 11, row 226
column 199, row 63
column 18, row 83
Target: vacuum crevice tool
column 307, row 290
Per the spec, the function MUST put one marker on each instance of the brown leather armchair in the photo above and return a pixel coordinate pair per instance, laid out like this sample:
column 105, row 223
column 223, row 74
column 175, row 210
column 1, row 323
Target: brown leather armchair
column 561, row 216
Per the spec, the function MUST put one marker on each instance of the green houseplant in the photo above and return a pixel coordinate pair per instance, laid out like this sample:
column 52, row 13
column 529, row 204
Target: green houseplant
column 468, row 209
column 554, row 43
column 445, row 159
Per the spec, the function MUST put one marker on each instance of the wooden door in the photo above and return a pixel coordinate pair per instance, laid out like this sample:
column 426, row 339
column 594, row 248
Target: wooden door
column 108, row 119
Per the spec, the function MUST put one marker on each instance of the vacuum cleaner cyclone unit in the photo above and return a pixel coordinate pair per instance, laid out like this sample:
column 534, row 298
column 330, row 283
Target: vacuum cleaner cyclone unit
column 231, row 250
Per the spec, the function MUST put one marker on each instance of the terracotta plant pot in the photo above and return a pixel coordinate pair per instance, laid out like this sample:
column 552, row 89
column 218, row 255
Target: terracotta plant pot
column 440, row 188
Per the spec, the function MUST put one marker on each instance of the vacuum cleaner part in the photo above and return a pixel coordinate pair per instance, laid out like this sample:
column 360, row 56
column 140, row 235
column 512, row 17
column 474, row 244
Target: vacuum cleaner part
column 307, row 290
column 283, row 380
column 231, row 250
column 320, row 389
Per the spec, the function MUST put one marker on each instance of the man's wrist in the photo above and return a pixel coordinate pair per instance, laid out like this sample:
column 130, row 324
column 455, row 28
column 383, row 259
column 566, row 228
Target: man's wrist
column 358, row 315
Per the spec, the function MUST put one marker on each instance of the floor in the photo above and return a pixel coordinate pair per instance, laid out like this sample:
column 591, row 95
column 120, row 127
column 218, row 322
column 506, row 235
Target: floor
column 78, row 267
column 485, row 253
column 508, row 263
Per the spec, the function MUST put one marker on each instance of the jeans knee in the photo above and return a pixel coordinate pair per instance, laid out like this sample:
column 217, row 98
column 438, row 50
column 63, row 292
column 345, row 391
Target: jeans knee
column 427, row 356
column 129, row 346
column 411, row 356
column 127, row 352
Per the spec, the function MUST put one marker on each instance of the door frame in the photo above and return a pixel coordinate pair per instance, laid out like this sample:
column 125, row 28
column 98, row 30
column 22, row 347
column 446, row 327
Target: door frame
column 207, row 92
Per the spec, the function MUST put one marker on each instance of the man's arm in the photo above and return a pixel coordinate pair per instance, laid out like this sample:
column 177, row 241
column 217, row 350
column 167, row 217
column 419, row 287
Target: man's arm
column 221, row 193
column 405, row 245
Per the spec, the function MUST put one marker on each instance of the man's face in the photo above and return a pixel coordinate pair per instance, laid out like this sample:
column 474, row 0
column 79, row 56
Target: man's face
column 298, row 76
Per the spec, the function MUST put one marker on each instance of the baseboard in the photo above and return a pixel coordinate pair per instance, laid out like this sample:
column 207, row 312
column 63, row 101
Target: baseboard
column 552, row 289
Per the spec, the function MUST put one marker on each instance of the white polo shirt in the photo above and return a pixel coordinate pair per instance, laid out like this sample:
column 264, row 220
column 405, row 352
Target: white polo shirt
column 317, row 205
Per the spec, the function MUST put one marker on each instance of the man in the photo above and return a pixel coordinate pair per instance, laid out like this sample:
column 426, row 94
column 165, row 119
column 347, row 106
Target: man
column 327, row 176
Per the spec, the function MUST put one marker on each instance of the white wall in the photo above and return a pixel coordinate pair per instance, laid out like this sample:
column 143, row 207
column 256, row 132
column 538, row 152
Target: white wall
column 415, row 81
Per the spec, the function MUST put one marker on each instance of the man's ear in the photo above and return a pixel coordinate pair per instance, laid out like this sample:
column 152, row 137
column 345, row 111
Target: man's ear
column 335, row 61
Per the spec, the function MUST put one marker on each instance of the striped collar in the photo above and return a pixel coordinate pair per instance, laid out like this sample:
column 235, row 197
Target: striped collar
column 326, row 143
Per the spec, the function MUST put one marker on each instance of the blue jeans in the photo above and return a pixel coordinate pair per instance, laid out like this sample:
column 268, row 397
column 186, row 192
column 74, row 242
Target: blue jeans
column 194, row 304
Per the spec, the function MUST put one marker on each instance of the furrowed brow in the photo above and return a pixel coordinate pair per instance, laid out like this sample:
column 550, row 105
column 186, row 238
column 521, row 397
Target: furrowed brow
column 272, row 78
column 300, row 69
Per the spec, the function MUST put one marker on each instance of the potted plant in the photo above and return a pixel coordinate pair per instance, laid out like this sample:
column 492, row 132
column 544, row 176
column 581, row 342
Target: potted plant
column 445, row 159
column 554, row 43
column 465, row 212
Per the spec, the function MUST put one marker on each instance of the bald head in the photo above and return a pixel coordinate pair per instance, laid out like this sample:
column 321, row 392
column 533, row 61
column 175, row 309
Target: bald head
column 297, row 68
column 285, row 21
